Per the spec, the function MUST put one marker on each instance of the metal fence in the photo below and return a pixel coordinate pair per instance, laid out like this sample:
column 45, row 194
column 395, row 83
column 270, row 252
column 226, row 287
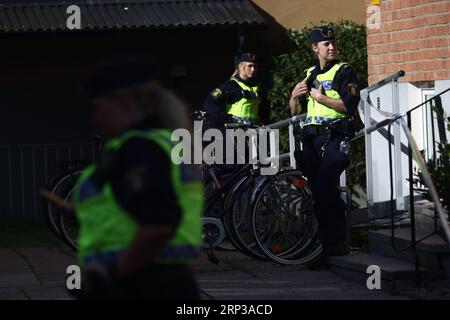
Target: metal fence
column 27, row 168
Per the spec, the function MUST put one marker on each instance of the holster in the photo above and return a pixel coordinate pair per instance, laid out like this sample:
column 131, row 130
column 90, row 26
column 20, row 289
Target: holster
column 345, row 128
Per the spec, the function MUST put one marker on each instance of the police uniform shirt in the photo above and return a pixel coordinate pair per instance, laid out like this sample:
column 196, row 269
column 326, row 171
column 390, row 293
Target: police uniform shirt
column 228, row 93
column 141, row 181
column 347, row 85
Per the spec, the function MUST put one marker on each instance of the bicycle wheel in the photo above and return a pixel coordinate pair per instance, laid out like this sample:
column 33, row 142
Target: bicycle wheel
column 283, row 222
column 67, row 221
column 213, row 232
column 58, row 187
column 237, row 218
column 213, row 206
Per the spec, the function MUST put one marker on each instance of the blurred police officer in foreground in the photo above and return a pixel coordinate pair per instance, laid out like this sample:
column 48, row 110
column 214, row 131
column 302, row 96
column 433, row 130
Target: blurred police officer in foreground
column 238, row 99
column 328, row 92
column 139, row 213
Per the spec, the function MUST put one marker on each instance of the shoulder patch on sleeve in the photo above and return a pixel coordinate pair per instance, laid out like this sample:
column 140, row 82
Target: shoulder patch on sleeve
column 352, row 89
column 216, row 93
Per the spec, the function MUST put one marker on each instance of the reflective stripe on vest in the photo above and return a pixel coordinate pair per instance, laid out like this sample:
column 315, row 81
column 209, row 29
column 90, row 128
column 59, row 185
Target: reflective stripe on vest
column 245, row 108
column 318, row 120
column 106, row 228
column 318, row 112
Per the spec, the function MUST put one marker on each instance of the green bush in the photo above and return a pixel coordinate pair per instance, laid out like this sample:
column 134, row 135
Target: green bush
column 440, row 172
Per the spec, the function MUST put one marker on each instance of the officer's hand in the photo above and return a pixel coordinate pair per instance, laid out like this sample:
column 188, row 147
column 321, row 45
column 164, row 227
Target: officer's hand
column 300, row 89
column 96, row 276
column 317, row 94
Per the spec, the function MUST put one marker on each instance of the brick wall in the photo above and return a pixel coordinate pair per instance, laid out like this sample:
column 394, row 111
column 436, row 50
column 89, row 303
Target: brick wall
column 414, row 36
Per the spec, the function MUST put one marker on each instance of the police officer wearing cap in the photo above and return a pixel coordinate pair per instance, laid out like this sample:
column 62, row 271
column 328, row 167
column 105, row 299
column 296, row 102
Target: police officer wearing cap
column 238, row 99
column 139, row 213
column 329, row 93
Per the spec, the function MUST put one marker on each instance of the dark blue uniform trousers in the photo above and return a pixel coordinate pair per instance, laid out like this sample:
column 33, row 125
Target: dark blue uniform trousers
column 323, row 179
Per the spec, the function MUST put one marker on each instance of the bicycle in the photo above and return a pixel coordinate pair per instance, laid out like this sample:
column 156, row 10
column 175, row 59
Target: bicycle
column 62, row 186
column 240, row 203
column 283, row 222
column 62, row 221
column 241, row 213
column 226, row 209
column 227, row 193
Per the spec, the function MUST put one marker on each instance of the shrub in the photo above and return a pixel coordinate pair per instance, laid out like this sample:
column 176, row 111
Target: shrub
column 440, row 172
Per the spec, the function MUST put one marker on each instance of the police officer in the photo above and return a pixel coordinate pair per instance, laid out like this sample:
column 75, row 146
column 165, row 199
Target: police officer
column 139, row 213
column 238, row 99
column 328, row 92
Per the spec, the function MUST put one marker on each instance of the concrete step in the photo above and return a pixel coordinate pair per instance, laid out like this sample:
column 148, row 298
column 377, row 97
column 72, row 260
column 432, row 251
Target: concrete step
column 431, row 251
column 433, row 244
column 391, row 269
column 396, row 275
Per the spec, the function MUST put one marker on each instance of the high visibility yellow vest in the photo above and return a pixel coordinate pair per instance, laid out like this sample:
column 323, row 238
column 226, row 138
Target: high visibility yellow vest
column 318, row 112
column 107, row 228
column 245, row 108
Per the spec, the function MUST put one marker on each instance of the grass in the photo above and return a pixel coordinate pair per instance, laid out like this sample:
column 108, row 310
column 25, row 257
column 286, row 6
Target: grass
column 20, row 232
column 360, row 238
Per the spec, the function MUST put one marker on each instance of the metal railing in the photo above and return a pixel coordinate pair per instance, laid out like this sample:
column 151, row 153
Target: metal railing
column 27, row 168
column 412, row 149
column 413, row 152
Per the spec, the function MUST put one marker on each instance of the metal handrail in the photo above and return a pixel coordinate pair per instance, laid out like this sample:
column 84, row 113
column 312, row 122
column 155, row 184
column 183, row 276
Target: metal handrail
column 427, row 177
column 393, row 117
column 419, row 158
column 388, row 121
column 381, row 124
column 285, row 122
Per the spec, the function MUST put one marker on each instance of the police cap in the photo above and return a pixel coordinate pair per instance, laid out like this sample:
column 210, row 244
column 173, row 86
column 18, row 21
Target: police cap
column 246, row 57
column 119, row 73
column 322, row 34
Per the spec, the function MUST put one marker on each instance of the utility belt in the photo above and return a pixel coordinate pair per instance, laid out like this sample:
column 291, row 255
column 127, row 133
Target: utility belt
column 342, row 127
column 243, row 120
column 330, row 126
